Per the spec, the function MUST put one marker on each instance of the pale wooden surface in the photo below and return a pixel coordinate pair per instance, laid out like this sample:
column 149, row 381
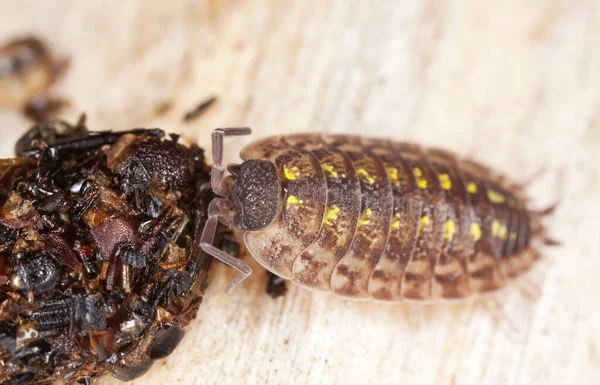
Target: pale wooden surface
column 513, row 83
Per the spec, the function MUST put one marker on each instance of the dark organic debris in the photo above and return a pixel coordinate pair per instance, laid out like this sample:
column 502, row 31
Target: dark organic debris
column 97, row 270
column 199, row 109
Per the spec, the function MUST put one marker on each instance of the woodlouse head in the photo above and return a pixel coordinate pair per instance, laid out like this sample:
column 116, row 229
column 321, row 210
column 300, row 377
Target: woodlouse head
column 256, row 195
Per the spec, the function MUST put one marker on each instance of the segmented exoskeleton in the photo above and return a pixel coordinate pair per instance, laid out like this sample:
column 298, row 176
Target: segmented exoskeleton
column 371, row 218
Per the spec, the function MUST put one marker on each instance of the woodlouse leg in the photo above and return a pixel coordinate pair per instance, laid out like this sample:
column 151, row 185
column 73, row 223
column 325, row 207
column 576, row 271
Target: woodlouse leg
column 218, row 170
column 227, row 259
column 229, row 244
column 206, row 244
column 275, row 285
column 540, row 229
column 547, row 211
column 223, row 209
column 494, row 305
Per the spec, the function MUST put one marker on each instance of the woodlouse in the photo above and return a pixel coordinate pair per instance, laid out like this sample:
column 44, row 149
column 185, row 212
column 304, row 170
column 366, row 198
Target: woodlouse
column 372, row 218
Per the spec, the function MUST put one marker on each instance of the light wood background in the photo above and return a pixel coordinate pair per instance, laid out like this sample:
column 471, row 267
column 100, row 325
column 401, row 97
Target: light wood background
column 514, row 83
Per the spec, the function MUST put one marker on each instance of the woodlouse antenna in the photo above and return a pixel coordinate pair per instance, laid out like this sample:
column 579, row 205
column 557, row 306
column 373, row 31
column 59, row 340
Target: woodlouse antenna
column 219, row 209
column 547, row 210
column 218, row 170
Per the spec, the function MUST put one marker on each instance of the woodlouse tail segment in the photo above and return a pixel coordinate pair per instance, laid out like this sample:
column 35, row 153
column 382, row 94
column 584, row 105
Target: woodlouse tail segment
column 485, row 273
column 539, row 230
column 546, row 211
column 451, row 271
column 551, row 242
column 217, row 175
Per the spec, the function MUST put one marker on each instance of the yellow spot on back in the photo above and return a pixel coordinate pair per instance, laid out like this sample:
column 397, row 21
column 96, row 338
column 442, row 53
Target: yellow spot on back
column 424, row 222
column 365, row 217
column 495, row 228
column 503, row 233
column 330, row 169
column 449, row 229
column 421, row 182
column 364, row 174
column 392, row 173
column 499, row 230
column 472, row 187
column 495, row 197
column 445, row 181
column 331, row 214
column 475, row 231
column 396, row 222
column 513, row 236
column 291, row 173
column 292, row 200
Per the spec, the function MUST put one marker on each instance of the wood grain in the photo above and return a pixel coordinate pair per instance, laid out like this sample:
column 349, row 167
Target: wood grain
column 513, row 84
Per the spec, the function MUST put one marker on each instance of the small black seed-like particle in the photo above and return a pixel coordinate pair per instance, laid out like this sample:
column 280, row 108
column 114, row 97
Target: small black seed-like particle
column 37, row 274
column 164, row 344
column 8, row 336
column 125, row 372
column 199, row 109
